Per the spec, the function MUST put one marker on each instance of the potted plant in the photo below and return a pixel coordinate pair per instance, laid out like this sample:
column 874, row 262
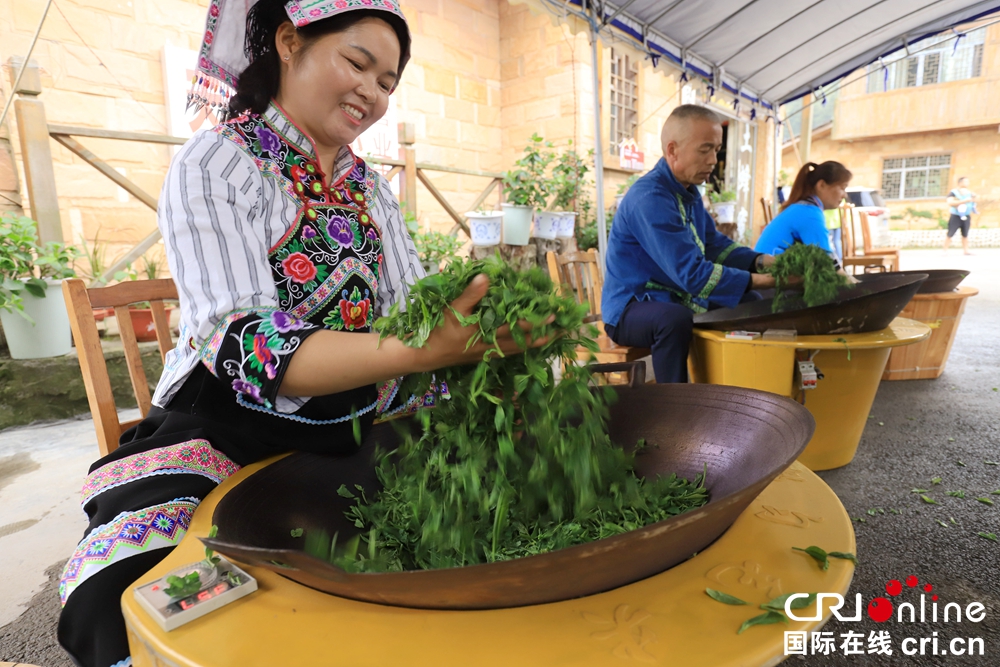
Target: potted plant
column 723, row 204
column 141, row 313
column 568, row 178
column 433, row 248
column 526, row 189
column 97, row 264
column 485, row 227
column 32, row 307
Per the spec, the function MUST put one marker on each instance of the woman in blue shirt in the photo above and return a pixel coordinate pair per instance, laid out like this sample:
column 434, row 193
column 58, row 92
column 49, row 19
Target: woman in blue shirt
column 817, row 187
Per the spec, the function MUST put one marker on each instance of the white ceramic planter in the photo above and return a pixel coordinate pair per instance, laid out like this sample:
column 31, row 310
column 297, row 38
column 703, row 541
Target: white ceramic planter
column 567, row 225
column 726, row 211
column 485, row 228
column 431, row 268
column 547, row 224
column 49, row 336
column 517, row 224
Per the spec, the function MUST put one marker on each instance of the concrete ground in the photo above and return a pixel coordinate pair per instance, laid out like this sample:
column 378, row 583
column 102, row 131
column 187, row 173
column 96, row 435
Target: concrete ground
column 919, row 430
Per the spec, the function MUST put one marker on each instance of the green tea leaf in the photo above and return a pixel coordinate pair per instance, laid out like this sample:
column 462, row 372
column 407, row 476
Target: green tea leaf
column 985, row 501
column 818, row 554
column 956, row 494
column 989, row 536
column 297, row 532
column 942, row 523
column 927, row 499
column 724, row 598
column 778, row 603
column 769, row 618
column 936, row 480
column 844, row 556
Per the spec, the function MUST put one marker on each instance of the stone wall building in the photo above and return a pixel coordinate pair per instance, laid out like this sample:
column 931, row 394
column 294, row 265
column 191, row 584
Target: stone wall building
column 485, row 76
column 912, row 125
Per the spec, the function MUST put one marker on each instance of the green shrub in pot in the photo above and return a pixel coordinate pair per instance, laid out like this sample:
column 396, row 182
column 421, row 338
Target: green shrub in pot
column 27, row 267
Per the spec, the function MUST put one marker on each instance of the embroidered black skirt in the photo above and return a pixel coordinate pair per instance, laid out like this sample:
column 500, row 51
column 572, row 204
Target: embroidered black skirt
column 141, row 497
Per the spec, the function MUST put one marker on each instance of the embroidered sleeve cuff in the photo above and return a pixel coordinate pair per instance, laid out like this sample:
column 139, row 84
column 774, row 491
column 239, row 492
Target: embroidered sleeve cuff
column 725, row 253
column 251, row 348
column 395, row 403
column 713, row 280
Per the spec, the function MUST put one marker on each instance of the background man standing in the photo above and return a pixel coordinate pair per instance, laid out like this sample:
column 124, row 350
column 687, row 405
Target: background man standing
column 962, row 201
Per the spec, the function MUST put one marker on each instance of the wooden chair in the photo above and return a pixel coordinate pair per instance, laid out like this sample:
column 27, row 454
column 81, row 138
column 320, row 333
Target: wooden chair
column 851, row 258
column 81, row 302
column 580, row 272
column 892, row 254
column 768, row 210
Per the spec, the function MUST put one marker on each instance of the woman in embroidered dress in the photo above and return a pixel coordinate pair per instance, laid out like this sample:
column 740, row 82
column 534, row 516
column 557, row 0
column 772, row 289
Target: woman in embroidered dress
column 284, row 247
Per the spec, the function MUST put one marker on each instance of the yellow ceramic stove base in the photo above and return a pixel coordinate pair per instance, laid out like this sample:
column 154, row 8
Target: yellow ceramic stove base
column 852, row 366
column 666, row 619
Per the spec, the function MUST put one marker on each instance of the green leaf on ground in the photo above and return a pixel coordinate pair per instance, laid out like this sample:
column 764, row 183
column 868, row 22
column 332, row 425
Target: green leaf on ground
column 724, row 598
column 956, row 494
column 935, row 480
column 992, row 463
column 951, row 439
column 961, row 463
column 952, row 519
column 927, row 499
column 943, row 524
column 918, row 490
column 985, row 501
column 989, row 536
column 894, row 512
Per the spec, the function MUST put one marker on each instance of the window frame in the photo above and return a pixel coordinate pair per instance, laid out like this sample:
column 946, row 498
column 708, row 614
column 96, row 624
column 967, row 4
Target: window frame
column 616, row 122
column 899, row 77
column 899, row 193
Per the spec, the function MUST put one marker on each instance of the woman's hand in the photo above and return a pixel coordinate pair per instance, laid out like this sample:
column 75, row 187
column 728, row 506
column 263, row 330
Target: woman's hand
column 446, row 346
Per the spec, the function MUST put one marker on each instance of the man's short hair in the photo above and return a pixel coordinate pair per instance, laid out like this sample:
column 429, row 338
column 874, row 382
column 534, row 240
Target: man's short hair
column 962, row 178
column 694, row 111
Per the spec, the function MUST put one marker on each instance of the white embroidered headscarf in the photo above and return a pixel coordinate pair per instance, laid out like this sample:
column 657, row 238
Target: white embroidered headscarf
column 222, row 57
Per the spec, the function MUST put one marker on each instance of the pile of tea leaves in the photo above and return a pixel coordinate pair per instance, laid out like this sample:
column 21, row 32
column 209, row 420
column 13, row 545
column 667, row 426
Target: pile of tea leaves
column 514, row 463
column 820, row 279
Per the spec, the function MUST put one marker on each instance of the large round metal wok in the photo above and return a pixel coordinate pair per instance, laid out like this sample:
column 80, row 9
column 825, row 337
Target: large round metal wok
column 938, row 280
column 744, row 437
column 869, row 306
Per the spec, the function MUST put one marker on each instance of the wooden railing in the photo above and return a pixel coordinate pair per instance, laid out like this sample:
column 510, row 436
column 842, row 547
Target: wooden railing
column 40, row 173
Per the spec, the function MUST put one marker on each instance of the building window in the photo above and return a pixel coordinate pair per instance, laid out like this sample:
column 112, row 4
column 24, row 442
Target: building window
column 936, row 59
column 624, row 98
column 916, row 177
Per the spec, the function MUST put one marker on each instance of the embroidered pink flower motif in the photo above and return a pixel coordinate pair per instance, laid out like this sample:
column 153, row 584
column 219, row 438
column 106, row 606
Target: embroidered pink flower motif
column 186, row 454
column 204, row 63
column 293, row 8
column 264, row 355
column 300, row 23
column 314, row 12
column 340, row 4
column 299, row 268
column 372, row 235
column 367, row 3
column 308, row 232
column 213, row 10
column 209, row 36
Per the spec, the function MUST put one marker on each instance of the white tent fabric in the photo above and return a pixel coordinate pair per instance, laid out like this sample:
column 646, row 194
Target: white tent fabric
column 766, row 51
column 777, row 50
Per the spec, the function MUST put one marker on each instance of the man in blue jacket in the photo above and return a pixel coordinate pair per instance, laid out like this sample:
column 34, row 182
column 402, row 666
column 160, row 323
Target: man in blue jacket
column 665, row 259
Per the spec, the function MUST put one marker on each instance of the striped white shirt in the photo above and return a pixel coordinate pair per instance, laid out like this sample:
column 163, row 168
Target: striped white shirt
column 220, row 215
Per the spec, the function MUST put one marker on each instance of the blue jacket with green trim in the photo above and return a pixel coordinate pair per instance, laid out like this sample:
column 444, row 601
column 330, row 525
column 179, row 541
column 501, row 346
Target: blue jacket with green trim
column 660, row 252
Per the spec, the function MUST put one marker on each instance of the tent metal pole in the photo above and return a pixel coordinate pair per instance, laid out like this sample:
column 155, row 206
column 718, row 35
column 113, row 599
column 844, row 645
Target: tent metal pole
column 602, row 231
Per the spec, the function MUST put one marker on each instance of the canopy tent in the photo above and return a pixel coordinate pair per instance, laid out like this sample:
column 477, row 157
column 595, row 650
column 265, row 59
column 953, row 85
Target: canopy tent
column 766, row 52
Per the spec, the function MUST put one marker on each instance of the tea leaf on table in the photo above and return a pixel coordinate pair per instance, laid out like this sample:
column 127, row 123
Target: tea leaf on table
column 818, row 554
column 843, row 555
column 181, row 587
column 724, row 598
column 770, row 618
column 778, row 603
